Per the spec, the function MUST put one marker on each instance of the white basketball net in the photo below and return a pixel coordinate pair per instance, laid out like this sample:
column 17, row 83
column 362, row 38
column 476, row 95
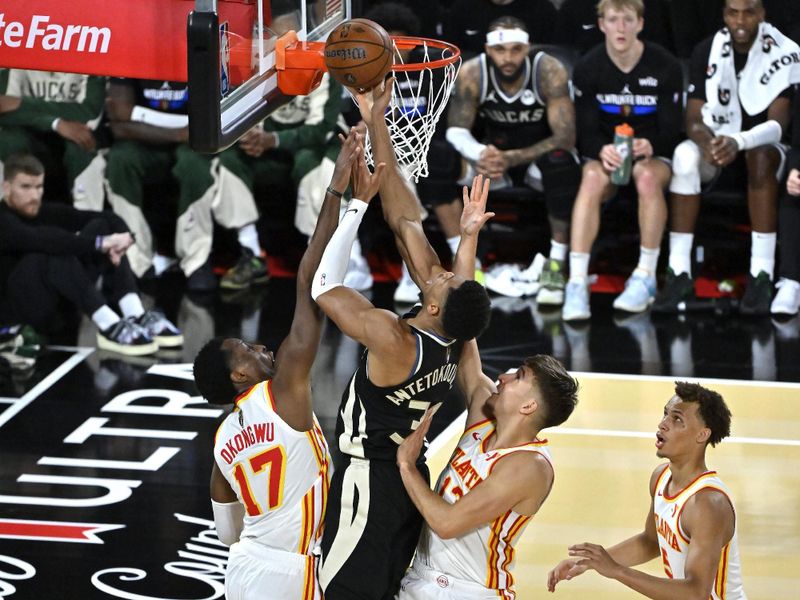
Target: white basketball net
column 418, row 100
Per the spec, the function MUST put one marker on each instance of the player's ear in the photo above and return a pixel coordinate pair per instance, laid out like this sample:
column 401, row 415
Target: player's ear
column 531, row 406
column 433, row 309
column 703, row 435
column 238, row 376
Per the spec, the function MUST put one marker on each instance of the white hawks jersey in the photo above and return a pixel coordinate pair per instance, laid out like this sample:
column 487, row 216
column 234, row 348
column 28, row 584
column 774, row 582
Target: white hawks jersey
column 280, row 475
column 674, row 543
column 485, row 555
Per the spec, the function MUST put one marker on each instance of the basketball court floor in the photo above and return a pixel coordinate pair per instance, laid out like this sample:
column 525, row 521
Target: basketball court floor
column 105, row 461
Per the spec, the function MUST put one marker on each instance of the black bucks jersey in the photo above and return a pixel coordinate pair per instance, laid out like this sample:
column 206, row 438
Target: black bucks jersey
column 373, row 421
column 515, row 121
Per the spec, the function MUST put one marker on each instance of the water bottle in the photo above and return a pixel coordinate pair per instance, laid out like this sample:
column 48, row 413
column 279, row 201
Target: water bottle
column 623, row 142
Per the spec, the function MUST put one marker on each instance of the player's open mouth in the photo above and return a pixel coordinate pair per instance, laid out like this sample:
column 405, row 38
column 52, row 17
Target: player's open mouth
column 659, row 441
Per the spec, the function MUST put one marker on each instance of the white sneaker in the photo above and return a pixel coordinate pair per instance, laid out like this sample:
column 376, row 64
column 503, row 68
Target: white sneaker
column 407, row 291
column 358, row 276
column 501, row 279
column 529, row 280
column 787, row 300
column 576, row 302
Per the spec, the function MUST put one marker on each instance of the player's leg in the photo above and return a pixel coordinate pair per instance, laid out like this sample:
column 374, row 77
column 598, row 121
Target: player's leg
column 257, row 572
column 689, row 171
column 595, row 188
column 85, row 175
column 129, row 167
column 764, row 170
column 651, row 177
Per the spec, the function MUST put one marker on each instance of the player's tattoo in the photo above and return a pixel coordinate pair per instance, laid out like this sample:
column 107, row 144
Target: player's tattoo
column 464, row 103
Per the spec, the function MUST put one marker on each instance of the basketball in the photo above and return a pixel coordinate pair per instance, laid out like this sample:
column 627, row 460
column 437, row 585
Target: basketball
column 358, row 54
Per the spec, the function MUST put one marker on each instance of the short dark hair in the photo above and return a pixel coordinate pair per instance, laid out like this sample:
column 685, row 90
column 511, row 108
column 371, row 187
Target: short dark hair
column 212, row 373
column 712, row 408
column 21, row 163
column 507, row 22
column 466, row 311
column 393, row 16
column 559, row 390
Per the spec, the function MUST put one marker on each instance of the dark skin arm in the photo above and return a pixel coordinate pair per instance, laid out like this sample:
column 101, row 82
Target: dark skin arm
column 120, row 103
column 296, row 354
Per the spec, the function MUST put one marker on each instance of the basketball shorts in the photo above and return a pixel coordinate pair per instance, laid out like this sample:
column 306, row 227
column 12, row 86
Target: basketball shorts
column 257, row 572
column 371, row 531
column 423, row 583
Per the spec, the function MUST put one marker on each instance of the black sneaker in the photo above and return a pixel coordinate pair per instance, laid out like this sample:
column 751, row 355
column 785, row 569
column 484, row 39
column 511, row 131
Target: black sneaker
column 161, row 329
column 677, row 291
column 202, row 279
column 250, row 270
column 126, row 337
column 758, row 295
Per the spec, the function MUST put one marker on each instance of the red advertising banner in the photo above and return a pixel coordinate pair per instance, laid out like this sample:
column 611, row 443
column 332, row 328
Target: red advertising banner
column 144, row 39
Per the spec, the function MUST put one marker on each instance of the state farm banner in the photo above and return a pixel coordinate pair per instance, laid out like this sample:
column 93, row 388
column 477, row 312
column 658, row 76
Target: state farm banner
column 144, row 39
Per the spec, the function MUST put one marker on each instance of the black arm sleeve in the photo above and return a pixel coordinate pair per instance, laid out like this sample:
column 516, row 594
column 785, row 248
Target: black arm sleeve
column 670, row 113
column 590, row 136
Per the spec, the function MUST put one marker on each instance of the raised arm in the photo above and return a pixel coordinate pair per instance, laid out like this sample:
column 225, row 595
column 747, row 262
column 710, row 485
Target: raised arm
column 400, row 204
column 298, row 350
column 473, row 383
column 554, row 83
column 473, row 218
column 520, row 481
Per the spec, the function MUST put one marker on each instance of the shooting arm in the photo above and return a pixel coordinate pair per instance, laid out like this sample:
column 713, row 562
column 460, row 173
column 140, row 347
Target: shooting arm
column 473, row 383
column 554, row 83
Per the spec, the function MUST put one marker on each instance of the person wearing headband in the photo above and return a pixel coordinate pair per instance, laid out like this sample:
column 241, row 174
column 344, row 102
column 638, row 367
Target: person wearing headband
column 523, row 99
column 623, row 80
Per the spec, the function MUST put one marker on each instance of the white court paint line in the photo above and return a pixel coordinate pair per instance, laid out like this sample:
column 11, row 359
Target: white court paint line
column 47, row 382
column 8, row 400
column 672, row 379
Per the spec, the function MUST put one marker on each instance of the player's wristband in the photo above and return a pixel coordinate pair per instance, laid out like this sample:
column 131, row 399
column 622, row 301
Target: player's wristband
column 333, row 192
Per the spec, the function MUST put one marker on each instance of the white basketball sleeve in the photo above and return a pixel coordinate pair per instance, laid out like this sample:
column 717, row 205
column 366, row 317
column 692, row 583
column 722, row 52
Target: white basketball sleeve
column 463, row 141
column 768, row 132
column 158, row 118
column 333, row 264
column 229, row 520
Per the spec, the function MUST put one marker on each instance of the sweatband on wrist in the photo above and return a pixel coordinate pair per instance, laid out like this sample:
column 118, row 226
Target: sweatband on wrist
column 228, row 520
column 333, row 264
column 158, row 118
column 507, row 36
column 769, row 132
column 54, row 124
column 462, row 140
column 98, row 243
column 333, row 192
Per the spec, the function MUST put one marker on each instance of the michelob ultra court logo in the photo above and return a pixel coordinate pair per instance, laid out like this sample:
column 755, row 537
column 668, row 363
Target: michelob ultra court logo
column 41, row 32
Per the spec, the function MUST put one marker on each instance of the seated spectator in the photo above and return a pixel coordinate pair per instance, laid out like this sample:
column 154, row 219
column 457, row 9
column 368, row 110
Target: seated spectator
column 523, row 101
column 639, row 83
column 150, row 127
column 787, row 300
column 429, row 14
column 467, row 24
column 56, row 120
column 43, row 261
column 576, row 25
column 732, row 114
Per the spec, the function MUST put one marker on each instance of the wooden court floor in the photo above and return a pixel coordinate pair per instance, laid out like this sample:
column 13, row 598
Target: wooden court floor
column 604, row 456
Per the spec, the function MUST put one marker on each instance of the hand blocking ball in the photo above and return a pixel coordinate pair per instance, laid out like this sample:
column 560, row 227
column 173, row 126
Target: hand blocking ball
column 359, row 54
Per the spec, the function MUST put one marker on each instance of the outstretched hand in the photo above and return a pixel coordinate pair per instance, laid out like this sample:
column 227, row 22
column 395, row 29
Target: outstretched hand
column 408, row 452
column 474, row 215
column 352, row 148
column 365, row 182
column 373, row 103
column 594, row 556
column 565, row 570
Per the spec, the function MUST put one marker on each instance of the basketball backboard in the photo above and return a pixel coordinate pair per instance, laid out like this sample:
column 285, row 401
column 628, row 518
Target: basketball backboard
column 233, row 82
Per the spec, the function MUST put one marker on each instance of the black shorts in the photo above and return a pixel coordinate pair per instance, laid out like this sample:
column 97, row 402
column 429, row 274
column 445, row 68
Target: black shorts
column 371, row 531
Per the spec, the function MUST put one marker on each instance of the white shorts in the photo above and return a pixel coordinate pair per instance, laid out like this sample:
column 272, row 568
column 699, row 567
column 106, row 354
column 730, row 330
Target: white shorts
column 422, row 583
column 257, row 572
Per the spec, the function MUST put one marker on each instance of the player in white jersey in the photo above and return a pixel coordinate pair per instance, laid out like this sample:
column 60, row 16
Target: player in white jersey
column 269, row 483
column 467, row 545
column 691, row 524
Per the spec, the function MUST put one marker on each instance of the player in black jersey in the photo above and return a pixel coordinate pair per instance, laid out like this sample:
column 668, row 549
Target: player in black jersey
column 742, row 66
column 523, row 102
column 409, row 364
column 629, row 81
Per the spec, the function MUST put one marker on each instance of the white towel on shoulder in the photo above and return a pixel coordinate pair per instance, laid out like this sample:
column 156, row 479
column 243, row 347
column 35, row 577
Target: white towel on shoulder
column 773, row 64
